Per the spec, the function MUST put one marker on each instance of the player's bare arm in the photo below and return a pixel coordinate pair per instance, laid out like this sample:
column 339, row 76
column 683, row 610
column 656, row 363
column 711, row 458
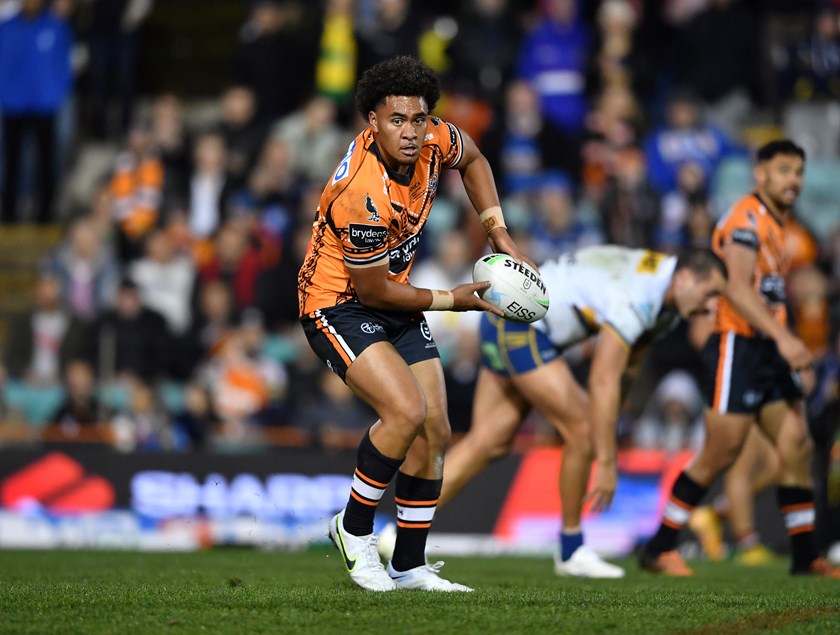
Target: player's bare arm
column 375, row 290
column 740, row 262
column 481, row 190
column 609, row 362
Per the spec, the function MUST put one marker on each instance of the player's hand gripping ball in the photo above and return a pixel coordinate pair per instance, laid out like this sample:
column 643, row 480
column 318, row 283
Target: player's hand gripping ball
column 515, row 287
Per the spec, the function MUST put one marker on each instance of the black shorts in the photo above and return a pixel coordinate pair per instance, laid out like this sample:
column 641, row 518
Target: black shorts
column 742, row 374
column 339, row 334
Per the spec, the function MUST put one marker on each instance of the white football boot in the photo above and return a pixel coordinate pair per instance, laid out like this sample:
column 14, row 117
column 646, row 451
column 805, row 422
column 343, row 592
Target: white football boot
column 425, row 578
column 585, row 563
column 361, row 557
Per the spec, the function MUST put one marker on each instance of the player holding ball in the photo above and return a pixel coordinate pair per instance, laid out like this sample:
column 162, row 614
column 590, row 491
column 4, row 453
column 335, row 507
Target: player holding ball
column 365, row 321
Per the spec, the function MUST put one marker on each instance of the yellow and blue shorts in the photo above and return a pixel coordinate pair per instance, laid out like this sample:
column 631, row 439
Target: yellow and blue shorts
column 511, row 348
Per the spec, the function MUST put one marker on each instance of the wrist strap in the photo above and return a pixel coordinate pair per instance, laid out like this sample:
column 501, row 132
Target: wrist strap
column 492, row 218
column 441, row 300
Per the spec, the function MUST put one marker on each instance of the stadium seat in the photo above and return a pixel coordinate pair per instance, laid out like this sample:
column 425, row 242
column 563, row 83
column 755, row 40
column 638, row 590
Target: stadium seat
column 35, row 404
column 171, row 394
column 819, row 203
column 732, row 179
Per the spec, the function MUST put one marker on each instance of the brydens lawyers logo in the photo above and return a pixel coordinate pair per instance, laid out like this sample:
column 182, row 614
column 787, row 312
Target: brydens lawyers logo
column 58, row 483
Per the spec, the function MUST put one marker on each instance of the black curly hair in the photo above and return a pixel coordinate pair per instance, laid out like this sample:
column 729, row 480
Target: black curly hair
column 779, row 146
column 404, row 76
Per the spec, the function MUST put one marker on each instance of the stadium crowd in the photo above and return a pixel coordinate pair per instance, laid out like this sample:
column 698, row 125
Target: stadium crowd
column 166, row 316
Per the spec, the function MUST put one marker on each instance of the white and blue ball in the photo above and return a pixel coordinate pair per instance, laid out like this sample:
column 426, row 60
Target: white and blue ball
column 515, row 287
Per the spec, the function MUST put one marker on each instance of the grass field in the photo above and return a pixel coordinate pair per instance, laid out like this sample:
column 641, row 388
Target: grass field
column 245, row 591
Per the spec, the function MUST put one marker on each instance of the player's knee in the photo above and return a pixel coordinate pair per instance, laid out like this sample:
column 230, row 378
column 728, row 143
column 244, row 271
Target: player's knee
column 712, row 460
column 725, row 456
column 488, row 446
column 798, row 450
column 410, row 412
column 577, row 437
column 438, row 430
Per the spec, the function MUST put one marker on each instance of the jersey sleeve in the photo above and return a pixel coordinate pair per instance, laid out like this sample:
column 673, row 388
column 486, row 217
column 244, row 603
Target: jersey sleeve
column 448, row 138
column 742, row 228
column 361, row 225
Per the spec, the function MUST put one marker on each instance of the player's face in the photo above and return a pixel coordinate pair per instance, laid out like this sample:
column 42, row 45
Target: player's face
column 399, row 125
column 695, row 295
column 780, row 180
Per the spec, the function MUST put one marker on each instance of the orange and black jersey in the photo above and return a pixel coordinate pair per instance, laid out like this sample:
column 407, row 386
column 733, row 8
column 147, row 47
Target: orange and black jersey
column 369, row 215
column 751, row 224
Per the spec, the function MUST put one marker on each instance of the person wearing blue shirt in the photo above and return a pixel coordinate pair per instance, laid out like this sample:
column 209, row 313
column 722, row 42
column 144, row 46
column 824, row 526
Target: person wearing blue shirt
column 554, row 58
column 35, row 80
column 685, row 138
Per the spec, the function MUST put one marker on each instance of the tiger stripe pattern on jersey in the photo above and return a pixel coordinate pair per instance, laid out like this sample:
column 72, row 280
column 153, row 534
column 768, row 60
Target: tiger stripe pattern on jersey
column 369, row 215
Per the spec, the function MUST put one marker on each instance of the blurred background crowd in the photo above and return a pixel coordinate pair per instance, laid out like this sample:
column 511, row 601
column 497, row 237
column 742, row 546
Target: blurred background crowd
column 161, row 163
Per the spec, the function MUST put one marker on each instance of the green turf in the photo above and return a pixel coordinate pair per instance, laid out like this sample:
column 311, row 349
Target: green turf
column 244, row 591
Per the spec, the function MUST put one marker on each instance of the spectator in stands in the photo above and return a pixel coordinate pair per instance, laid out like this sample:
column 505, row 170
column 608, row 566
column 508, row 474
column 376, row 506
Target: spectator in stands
column 725, row 76
column 41, row 342
column 244, row 383
column 166, row 281
column 214, row 319
column 35, row 81
column 522, row 142
column 273, row 191
column 612, row 128
column 394, row 30
column 143, row 426
column 807, row 72
column 276, row 51
column 86, row 268
column 242, row 131
column 556, row 228
column 81, row 405
column 99, row 210
column 195, row 423
column 313, row 139
column 620, row 61
column 808, row 69
column 685, row 137
column 335, row 73
column 276, row 288
column 209, row 189
column 136, row 190
column 672, row 421
column 554, row 57
column 113, row 42
column 483, row 55
column 235, row 262
column 132, row 342
column 170, row 137
column 690, row 197
column 629, row 207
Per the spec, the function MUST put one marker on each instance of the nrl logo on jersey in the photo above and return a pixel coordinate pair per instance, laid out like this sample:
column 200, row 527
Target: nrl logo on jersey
column 373, row 213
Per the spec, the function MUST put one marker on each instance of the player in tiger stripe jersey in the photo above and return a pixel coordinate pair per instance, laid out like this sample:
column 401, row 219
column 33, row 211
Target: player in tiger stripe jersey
column 365, row 320
column 753, row 364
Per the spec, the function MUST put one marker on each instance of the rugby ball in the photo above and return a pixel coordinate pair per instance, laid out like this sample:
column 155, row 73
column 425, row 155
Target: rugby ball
column 515, row 287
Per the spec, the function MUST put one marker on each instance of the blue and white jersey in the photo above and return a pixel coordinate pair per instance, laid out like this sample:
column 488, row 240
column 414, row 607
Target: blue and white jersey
column 607, row 287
